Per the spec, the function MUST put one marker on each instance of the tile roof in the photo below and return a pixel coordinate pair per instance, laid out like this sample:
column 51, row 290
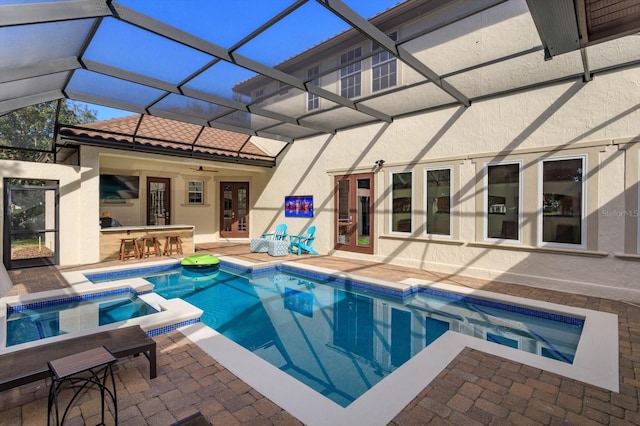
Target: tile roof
column 155, row 133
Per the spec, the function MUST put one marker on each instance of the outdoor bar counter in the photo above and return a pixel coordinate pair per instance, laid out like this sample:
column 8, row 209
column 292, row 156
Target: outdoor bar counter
column 110, row 237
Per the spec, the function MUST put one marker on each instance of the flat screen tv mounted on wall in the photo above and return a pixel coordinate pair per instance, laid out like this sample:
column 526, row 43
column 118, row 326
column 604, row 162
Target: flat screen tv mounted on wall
column 118, row 187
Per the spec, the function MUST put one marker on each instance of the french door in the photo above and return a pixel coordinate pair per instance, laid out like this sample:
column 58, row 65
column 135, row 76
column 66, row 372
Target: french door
column 30, row 223
column 354, row 213
column 234, row 218
column 158, row 201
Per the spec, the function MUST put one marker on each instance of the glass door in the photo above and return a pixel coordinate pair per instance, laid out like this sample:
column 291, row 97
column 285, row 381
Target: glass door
column 354, row 213
column 235, row 209
column 30, row 223
column 158, row 201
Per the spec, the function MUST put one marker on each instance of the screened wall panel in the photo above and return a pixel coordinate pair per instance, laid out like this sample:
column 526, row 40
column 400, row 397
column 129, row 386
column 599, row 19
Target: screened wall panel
column 339, row 118
column 515, row 73
column 32, row 44
column 111, row 88
column 252, row 65
column 33, row 86
column 411, row 99
column 191, row 107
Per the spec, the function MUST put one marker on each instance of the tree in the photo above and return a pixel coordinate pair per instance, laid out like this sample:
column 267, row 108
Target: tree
column 31, row 128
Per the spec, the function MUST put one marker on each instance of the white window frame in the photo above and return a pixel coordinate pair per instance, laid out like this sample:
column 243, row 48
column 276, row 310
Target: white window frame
column 413, row 188
column 281, row 88
column 390, row 59
column 189, row 192
column 485, row 201
column 258, row 95
column 426, row 201
column 522, row 341
column 357, row 65
column 313, row 74
column 583, row 207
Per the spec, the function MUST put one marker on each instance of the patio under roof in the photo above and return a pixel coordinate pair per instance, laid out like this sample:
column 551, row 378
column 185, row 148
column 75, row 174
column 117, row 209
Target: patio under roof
column 199, row 62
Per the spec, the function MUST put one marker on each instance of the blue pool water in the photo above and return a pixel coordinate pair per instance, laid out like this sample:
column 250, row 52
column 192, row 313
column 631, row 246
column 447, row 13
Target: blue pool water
column 342, row 337
column 27, row 323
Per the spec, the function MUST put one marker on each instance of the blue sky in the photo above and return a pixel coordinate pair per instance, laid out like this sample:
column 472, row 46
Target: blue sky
column 223, row 23
column 105, row 113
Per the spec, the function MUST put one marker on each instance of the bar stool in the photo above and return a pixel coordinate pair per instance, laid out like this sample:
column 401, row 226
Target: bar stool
column 125, row 253
column 147, row 243
column 171, row 243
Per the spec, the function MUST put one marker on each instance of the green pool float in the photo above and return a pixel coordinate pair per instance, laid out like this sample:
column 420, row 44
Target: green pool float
column 198, row 261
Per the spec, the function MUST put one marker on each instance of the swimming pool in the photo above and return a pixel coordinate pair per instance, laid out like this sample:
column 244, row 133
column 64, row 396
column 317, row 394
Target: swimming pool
column 341, row 339
column 595, row 361
column 40, row 320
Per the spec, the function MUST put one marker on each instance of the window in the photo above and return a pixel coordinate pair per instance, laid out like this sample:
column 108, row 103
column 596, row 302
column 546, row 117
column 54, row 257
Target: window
column 434, row 328
column 258, row 99
column 196, row 192
column 562, row 200
column 350, row 78
column 439, row 201
column 283, row 88
column 313, row 101
column 353, row 324
column 503, row 201
column 401, row 199
column 384, row 67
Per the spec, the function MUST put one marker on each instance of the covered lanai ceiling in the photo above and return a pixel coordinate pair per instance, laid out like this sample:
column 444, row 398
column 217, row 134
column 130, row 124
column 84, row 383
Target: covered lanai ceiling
column 201, row 61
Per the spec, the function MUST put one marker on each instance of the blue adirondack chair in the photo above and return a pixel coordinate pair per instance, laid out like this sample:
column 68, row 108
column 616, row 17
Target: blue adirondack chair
column 303, row 243
column 279, row 234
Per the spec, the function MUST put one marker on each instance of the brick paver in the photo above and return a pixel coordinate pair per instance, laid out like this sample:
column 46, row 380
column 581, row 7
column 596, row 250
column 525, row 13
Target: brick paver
column 475, row 388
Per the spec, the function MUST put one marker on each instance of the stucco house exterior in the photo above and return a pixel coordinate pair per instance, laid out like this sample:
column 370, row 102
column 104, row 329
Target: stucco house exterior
column 534, row 182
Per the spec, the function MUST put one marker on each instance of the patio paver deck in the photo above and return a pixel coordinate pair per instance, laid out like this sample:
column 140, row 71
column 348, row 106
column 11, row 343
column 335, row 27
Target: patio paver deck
column 474, row 389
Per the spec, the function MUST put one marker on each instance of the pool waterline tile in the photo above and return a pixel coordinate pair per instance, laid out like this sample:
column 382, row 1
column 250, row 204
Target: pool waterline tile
column 566, row 319
column 98, row 277
column 66, row 300
column 171, row 327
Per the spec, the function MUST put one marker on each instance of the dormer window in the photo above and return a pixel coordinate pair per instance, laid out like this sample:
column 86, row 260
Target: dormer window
column 350, row 75
column 258, row 98
column 313, row 101
column 283, row 88
column 384, row 67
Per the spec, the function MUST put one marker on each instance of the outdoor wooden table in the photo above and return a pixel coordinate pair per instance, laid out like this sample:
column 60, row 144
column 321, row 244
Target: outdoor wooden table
column 79, row 371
